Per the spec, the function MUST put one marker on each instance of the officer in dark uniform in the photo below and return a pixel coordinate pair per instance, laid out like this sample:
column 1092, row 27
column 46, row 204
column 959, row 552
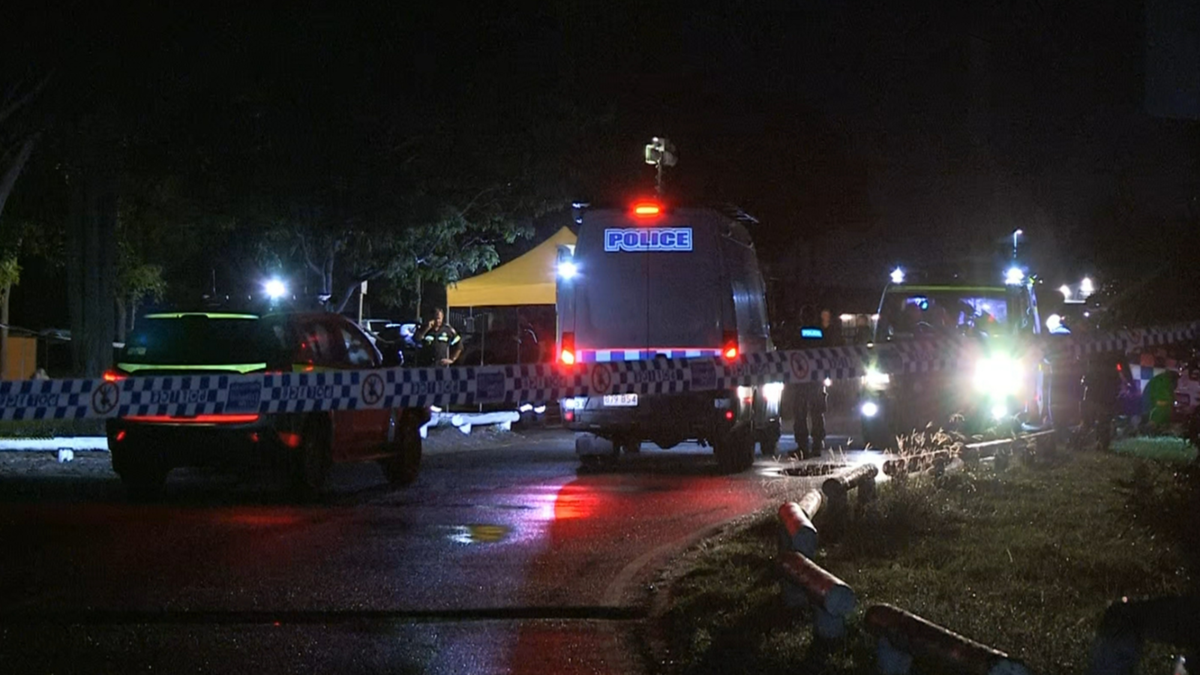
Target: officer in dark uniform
column 441, row 337
column 809, row 398
column 1101, row 388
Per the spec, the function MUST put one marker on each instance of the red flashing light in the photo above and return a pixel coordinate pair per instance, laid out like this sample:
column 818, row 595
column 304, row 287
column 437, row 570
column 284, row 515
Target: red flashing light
column 289, row 439
column 114, row 376
column 569, row 415
column 730, row 351
column 728, row 414
column 647, row 209
column 566, row 355
column 198, row 419
column 121, row 435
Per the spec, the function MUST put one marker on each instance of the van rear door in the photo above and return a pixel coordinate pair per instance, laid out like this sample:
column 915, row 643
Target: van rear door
column 647, row 286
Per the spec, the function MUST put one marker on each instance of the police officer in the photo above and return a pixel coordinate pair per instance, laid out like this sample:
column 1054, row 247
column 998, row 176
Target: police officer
column 809, row 398
column 445, row 342
column 1101, row 389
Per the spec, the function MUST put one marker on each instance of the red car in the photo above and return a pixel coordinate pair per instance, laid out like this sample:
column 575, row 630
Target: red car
column 145, row 448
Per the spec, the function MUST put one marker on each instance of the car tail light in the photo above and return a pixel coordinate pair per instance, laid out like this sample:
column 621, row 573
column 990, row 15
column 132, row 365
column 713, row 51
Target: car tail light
column 198, row 419
column 730, row 349
column 291, row 440
column 114, row 376
column 566, row 354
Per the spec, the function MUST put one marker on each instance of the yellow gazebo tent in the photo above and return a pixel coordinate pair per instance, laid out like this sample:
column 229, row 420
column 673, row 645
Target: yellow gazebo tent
column 527, row 280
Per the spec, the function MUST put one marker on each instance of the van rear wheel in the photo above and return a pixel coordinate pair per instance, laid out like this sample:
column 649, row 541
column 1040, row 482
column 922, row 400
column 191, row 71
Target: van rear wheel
column 735, row 452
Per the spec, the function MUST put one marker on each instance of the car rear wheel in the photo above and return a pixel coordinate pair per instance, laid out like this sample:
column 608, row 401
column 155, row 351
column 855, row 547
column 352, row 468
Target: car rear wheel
column 403, row 467
column 312, row 460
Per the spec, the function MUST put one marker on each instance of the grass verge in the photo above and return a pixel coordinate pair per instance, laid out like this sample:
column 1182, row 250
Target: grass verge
column 1162, row 448
column 1025, row 561
column 51, row 428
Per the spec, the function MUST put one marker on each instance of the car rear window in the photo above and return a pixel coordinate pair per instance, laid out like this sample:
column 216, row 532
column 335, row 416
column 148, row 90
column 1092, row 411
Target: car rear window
column 198, row 339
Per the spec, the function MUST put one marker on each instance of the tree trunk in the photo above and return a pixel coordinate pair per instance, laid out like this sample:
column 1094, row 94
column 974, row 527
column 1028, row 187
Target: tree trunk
column 91, row 245
column 419, row 289
column 120, row 319
column 5, row 294
column 14, row 170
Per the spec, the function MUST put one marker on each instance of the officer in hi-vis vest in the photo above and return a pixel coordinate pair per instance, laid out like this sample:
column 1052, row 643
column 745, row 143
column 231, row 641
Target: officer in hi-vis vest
column 441, row 336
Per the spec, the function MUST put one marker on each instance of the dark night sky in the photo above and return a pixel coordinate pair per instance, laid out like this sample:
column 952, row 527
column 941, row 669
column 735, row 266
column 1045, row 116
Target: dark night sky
column 875, row 121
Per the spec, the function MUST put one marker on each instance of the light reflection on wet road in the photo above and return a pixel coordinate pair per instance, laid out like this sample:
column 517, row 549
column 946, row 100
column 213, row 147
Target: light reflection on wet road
column 502, row 560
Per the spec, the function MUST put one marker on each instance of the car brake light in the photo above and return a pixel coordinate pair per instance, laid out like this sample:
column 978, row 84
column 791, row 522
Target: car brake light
column 198, row 419
column 291, row 440
column 647, row 209
column 566, row 355
column 114, row 376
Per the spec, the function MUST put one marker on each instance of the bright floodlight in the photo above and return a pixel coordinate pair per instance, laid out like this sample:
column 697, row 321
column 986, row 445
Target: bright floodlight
column 999, row 411
column 870, row 409
column 1086, row 288
column 1014, row 276
column 567, row 269
column 1066, row 291
column 275, row 289
column 897, row 276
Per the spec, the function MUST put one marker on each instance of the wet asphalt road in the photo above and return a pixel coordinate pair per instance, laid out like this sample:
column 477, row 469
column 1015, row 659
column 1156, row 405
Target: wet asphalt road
column 500, row 559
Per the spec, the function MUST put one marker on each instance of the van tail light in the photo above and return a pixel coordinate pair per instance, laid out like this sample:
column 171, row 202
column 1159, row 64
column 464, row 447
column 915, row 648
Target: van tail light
column 114, row 376
column 566, row 354
column 730, row 350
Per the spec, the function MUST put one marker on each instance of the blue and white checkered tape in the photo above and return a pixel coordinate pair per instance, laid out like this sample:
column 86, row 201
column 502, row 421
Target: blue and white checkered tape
column 186, row 395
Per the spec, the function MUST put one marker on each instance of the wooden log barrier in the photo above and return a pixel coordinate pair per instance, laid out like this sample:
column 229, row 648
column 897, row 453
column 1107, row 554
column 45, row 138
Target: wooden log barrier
column 904, row 636
column 796, row 530
column 831, row 597
column 837, row 487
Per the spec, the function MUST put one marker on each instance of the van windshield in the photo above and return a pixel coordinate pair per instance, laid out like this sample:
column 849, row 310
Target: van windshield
column 909, row 312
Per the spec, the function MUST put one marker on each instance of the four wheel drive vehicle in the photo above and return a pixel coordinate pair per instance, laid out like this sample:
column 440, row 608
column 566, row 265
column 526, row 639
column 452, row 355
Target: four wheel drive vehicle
column 1006, row 382
column 657, row 283
column 145, row 448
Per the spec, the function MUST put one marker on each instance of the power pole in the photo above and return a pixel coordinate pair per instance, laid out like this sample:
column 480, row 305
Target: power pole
column 660, row 152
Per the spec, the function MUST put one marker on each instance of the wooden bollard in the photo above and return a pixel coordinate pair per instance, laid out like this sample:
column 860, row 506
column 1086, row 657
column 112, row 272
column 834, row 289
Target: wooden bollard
column 903, row 634
column 796, row 530
column 833, row 599
column 811, row 503
column 838, row 486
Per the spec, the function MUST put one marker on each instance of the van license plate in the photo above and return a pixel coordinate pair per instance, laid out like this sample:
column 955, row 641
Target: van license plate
column 620, row 400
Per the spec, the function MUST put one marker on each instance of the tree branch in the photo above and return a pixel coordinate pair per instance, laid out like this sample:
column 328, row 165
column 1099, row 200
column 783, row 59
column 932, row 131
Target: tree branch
column 17, row 104
column 14, row 170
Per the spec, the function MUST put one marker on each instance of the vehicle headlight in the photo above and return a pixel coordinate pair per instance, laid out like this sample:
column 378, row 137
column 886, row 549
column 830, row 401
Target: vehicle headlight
column 998, row 376
column 875, row 379
column 870, row 409
column 773, row 392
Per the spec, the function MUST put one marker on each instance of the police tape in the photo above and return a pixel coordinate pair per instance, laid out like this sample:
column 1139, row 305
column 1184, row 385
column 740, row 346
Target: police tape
column 192, row 395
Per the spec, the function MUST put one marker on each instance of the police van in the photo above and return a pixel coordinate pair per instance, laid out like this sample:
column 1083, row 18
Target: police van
column 652, row 282
column 991, row 322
